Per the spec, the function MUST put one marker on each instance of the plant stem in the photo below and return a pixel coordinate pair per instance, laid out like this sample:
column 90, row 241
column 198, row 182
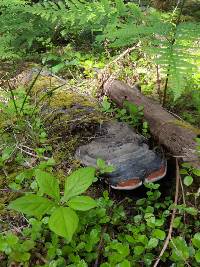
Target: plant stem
column 29, row 89
column 172, row 217
column 13, row 98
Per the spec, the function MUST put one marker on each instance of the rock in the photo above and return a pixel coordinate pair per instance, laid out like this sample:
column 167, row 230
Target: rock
column 117, row 144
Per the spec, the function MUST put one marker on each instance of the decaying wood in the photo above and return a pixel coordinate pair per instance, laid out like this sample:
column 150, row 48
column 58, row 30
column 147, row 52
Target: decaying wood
column 178, row 137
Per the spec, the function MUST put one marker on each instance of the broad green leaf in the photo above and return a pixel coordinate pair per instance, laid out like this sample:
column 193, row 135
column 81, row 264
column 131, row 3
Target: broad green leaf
column 81, row 203
column 105, row 265
column 58, row 67
column 64, row 222
column 159, row 234
column 138, row 250
column 180, row 250
column 11, row 239
column 197, row 256
column 196, row 172
column 188, row 180
column 122, row 249
column 153, row 242
column 137, row 218
column 143, row 239
column 48, row 184
column 196, row 240
column 177, row 222
column 140, row 201
column 132, row 108
column 124, row 263
column 32, row 205
column 28, row 245
column 78, row 182
column 7, row 152
column 192, row 211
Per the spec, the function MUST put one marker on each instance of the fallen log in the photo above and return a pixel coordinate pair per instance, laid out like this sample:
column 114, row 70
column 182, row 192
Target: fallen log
column 175, row 135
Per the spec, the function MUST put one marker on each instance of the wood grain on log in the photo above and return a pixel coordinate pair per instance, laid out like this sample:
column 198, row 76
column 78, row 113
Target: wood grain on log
column 176, row 136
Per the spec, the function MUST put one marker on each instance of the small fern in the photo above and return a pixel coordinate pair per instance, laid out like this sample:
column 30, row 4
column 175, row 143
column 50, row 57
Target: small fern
column 173, row 47
column 26, row 27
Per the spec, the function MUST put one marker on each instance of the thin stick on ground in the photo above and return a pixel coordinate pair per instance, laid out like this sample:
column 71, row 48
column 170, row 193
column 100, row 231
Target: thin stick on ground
column 184, row 202
column 100, row 246
column 172, row 217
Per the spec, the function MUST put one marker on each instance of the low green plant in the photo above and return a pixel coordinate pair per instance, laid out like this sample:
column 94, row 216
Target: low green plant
column 130, row 233
column 73, row 63
column 102, row 167
column 130, row 113
column 63, row 219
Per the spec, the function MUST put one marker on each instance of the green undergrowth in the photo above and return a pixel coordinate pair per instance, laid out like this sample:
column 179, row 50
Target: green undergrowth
column 53, row 212
column 48, row 218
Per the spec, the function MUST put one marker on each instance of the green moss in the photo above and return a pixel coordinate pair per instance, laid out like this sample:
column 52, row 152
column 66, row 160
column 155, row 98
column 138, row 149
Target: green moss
column 66, row 99
column 187, row 126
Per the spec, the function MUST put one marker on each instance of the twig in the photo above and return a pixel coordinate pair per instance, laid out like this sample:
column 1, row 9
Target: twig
column 13, row 98
column 29, row 89
column 39, row 256
column 184, row 202
column 172, row 217
column 31, row 154
column 9, row 190
column 127, row 51
column 100, row 246
column 158, row 80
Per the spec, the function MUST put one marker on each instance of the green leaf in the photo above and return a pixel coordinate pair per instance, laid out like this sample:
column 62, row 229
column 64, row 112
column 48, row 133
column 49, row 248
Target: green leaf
column 28, row 245
column 106, row 105
column 197, row 256
column 58, row 67
column 64, row 222
column 132, row 108
column 11, row 239
column 191, row 211
column 188, row 180
column 124, row 263
column 101, row 163
column 138, row 250
column 177, row 222
column 180, row 250
column 48, row 184
column 196, row 172
column 82, row 203
column 7, row 152
column 32, row 205
column 159, row 234
column 141, row 201
column 103, row 167
column 196, row 240
column 153, row 242
column 78, row 182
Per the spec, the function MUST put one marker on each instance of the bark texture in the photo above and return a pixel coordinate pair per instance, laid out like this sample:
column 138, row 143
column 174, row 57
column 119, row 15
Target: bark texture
column 177, row 136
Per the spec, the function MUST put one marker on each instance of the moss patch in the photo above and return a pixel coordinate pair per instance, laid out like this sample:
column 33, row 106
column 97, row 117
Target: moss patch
column 70, row 118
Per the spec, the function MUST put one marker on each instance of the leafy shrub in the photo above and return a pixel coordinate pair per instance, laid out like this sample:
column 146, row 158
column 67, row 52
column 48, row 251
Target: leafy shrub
column 63, row 220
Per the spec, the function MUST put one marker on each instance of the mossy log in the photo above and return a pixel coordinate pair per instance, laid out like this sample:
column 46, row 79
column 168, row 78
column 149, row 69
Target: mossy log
column 177, row 136
column 70, row 117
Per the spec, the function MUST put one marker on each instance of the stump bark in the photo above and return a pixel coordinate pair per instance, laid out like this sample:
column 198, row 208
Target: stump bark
column 175, row 135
